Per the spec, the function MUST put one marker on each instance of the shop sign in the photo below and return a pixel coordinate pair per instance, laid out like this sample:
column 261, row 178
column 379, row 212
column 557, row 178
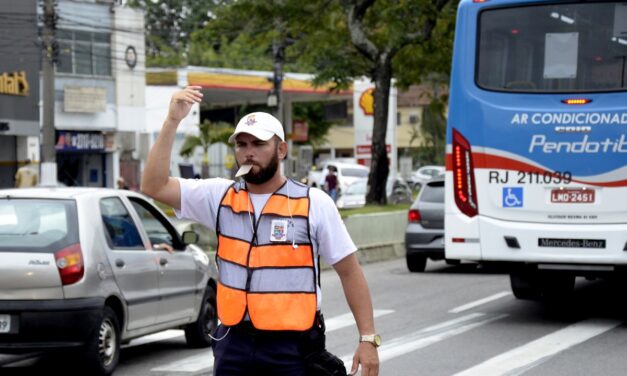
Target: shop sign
column 84, row 99
column 14, row 83
column 80, row 141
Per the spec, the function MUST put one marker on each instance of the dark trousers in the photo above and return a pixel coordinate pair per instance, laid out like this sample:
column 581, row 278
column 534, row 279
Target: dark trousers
column 246, row 351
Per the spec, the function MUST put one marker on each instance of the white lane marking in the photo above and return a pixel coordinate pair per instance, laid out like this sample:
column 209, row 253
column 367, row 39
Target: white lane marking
column 347, row 319
column 204, row 360
column 428, row 336
column 479, row 302
column 524, row 357
column 161, row 336
column 195, row 363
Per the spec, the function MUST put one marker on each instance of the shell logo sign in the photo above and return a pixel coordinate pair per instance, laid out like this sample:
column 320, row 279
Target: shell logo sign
column 366, row 102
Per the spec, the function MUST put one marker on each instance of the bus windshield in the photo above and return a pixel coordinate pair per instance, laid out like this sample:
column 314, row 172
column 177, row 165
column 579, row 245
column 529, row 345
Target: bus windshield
column 559, row 48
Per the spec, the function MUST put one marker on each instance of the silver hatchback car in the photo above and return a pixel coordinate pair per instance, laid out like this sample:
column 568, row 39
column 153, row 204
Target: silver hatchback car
column 92, row 268
column 424, row 235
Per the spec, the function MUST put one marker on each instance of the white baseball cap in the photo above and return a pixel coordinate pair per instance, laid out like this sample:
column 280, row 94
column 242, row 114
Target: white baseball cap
column 259, row 124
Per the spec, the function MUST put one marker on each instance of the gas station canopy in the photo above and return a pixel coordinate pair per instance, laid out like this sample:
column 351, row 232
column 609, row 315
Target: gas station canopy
column 223, row 87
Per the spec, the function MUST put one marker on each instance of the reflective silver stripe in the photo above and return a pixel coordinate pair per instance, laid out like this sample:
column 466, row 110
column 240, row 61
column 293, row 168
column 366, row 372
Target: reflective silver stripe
column 282, row 280
column 296, row 225
column 295, row 190
column 233, row 225
column 232, row 275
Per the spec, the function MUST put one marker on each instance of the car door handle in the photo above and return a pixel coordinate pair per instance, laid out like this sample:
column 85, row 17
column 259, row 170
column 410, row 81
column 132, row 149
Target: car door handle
column 163, row 261
column 120, row 263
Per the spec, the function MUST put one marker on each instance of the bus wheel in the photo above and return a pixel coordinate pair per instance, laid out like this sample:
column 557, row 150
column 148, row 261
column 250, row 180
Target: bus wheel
column 525, row 285
column 416, row 263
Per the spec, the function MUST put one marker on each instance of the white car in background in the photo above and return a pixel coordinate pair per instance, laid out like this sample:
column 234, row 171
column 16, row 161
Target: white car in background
column 424, row 174
column 347, row 173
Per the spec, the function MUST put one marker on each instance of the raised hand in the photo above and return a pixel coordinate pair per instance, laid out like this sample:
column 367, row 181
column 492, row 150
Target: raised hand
column 182, row 102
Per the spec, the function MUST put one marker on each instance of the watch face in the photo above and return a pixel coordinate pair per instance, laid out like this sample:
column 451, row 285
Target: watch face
column 377, row 340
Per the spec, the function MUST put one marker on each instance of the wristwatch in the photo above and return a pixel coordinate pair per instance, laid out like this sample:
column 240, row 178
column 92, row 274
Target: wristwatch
column 375, row 339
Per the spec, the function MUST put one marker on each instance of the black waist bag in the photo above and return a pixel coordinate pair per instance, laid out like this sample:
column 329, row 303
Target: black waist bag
column 318, row 361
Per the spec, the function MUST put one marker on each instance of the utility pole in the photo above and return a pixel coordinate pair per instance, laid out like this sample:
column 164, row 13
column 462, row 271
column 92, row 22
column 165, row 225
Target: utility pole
column 278, row 57
column 279, row 44
column 48, row 171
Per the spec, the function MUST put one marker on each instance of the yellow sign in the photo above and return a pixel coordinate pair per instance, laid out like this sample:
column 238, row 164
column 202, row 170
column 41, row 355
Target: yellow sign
column 14, row 83
column 366, row 102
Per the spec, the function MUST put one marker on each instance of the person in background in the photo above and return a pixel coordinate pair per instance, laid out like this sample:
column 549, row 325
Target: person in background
column 122, row 183
column 26, row 176
column 330, row 183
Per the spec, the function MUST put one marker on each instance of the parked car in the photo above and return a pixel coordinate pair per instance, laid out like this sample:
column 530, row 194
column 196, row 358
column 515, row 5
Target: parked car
column 424, row 235
column 354, row 196
column 347, row 173
column 422, row 175
column 90, row 268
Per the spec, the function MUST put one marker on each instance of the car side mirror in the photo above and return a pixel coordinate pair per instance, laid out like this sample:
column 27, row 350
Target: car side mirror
column 190, row 237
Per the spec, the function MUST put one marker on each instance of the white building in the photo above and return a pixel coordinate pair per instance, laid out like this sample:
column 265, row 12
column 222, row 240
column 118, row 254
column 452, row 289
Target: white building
column 99, row 92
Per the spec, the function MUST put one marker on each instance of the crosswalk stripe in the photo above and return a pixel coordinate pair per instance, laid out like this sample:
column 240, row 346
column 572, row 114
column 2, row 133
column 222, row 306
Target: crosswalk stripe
column 479, row 302
column 428, row 336
column 204, row 360
column 524, row 357
column 347, row 319
column 161, row 336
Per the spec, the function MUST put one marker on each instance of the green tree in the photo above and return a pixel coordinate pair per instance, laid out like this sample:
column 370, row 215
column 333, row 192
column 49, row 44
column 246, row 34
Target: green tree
column 379, row 32
column 209, row 133
column 169, row 25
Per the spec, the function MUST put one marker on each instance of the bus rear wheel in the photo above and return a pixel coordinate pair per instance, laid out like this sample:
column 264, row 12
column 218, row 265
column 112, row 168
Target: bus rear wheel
column 532, row 285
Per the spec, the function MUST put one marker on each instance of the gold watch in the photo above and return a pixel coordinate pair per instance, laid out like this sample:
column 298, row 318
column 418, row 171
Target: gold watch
column 375, row 339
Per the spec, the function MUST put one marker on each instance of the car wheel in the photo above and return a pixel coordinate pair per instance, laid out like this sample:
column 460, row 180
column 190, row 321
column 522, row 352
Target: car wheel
column 198, row 333
column 416, row 263
column 102, row 349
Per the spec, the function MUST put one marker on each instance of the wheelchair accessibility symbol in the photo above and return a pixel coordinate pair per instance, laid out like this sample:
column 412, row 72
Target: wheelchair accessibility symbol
column 512, row 197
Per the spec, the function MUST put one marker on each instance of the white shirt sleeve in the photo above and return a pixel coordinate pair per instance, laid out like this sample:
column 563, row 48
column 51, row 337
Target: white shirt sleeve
column 200, row 199
column 328, row 230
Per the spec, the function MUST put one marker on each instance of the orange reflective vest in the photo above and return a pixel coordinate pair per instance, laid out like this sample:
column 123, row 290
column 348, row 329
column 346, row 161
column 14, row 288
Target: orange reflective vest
column 266, row 266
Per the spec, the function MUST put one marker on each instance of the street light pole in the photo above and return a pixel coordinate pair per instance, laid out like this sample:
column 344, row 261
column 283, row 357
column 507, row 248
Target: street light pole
column 48, row 161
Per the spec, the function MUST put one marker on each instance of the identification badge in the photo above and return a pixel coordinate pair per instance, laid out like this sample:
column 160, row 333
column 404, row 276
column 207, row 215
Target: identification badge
column 278, row 231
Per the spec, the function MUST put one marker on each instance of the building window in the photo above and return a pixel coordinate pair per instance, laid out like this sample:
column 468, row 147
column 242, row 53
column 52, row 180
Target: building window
column 84, row 52
column 413, row 119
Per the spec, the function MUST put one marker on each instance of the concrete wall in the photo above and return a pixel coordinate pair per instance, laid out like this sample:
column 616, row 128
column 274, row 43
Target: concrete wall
column 379, row 236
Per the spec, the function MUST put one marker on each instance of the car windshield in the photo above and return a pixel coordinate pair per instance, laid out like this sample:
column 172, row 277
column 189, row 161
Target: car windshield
column 354, row 172
column 37, row 225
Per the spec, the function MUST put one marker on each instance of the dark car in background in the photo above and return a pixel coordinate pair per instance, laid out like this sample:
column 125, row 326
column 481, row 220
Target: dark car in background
column 424, row 236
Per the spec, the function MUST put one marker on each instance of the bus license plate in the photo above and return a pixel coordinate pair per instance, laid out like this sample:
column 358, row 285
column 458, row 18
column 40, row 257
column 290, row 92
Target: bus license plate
column 5, row 323
column 572, row 196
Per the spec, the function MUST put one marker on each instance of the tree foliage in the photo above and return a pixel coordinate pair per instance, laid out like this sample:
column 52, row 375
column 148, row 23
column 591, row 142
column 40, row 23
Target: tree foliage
column 337, row 40
column 169, row 25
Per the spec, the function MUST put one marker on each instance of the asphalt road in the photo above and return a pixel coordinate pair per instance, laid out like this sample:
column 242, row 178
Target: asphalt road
column 451, row 320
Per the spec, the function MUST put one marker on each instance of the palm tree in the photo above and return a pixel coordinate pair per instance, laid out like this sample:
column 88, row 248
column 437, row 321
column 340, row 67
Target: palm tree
column 210, row 133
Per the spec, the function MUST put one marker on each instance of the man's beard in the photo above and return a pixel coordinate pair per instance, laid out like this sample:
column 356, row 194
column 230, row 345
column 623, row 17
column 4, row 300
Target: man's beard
column 265, row 173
